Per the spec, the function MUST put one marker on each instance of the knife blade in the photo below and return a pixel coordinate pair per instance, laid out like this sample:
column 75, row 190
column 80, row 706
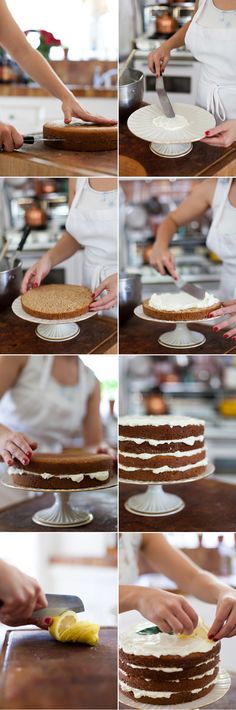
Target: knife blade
column 191, row 289
column 30, row 140
column 57, row 603
column 163, row 98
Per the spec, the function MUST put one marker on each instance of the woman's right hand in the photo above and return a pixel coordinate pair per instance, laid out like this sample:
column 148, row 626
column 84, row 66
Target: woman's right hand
column 14, row 445
column 36, row 273
column 20, row 596
column 158, row 59
column 170, row 612
column 162, row 259
column 10, row 139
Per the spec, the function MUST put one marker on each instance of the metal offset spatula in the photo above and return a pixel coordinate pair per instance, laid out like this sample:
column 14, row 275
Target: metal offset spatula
column 191, row 289
column 57, row 603
column 163, row 98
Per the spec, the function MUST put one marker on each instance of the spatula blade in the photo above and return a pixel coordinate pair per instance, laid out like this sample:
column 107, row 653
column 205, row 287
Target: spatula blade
column 191, row 289
column 163, row 98
column 57, row 603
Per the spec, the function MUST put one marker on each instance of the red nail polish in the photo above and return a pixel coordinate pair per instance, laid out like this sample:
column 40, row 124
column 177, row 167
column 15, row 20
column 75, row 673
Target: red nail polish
column 207, row 133
column 47, row 620
column 25, row 461
column 210, row 636
column 226, row 336
column 215, row 328
column 234, row 337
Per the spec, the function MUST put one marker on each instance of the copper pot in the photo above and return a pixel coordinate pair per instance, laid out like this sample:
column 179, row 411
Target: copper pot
column 165, row 23
column 35, row 216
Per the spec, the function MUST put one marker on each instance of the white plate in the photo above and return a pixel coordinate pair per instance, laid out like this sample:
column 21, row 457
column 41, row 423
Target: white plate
column 139, row 312
column 21, row 313
column 141, row 124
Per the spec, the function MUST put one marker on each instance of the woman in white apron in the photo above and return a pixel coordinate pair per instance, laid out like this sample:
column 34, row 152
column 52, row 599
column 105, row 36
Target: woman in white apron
column 220, row 195
column 92, row 224
column 211, row 39
column 171, row 612
column 47, row 403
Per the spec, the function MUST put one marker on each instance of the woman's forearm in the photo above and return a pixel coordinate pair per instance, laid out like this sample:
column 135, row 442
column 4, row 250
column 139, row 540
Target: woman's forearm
column 205, row 586
column 65, row 247
column 32, row 62
column 165, row 232
column 127, row 598
column 177, row 40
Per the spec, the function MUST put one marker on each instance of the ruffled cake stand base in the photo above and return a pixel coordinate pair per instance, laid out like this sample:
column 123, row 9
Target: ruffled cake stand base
column 155, row 501
column 181, row 336
column 62, row 514
column 221, row 687
column 51, row 330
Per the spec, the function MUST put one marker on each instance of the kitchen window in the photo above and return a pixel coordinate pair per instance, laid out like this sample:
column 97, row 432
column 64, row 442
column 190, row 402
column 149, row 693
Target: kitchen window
column 86, row 27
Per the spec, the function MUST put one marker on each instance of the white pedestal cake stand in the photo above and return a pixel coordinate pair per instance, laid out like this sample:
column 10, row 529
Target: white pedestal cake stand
column 181, row 336
column 221, row 687
column 51, row 330
column 155, row 501
column 62, row 514
column 171, row 143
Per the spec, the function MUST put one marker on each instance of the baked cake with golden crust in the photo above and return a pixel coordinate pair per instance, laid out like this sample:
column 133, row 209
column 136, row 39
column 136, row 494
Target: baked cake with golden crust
column 80, row 136
column 179, row 306
column 63, row 471
column 57, row 301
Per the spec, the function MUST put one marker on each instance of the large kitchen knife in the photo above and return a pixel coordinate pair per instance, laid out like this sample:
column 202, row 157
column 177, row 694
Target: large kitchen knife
column 30, row 140
column 189, row 288
column 57, row 603
column 163, row 98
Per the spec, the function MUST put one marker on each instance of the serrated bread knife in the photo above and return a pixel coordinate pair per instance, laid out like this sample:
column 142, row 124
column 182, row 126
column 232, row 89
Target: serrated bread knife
column 57, row 603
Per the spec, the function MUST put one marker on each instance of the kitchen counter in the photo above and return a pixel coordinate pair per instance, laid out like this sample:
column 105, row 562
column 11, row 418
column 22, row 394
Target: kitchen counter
column 102, row 504
column 97, row 335
column 35, row 90
column 136, row 159
column 38, row 672
column 40, row 160
column 210, row 505
column 141, row 337
column 226, row 703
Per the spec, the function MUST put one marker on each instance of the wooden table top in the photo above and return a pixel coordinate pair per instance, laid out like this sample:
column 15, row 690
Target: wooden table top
column 97, row 335
column 102, row 504
column 203, row 160
column 228, row 702
column 209, row 505
column 139, row 336
column 40, row 160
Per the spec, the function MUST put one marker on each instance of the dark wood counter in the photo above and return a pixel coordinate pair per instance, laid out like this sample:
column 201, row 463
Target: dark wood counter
column 226, row 703
column 141, row 337
column 209, row 505
column 40, row 160
column 97, row 335
column 204, row 160
column 102, row 504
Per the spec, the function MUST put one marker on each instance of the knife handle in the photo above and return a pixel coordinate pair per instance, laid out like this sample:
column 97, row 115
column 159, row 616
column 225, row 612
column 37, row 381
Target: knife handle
column 29, row 139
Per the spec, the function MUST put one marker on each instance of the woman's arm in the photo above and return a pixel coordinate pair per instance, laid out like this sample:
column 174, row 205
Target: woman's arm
column 92, row 425
column 110, row 284
column 193, row 207
column 228, row 309
column 20, row 596
column 159, row 58
column 221, row 136
column 15, row 42
column 171, row 612
column 13, row 444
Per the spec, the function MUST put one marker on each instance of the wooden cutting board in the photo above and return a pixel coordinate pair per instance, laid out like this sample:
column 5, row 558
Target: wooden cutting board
column 38, row 673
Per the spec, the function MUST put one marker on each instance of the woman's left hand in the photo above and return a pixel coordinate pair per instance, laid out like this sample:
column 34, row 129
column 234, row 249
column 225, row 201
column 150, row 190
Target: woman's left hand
column 227, row 309
column 109, row 301
column 105, row 449
column 221, row 136
column 224, row 624
column 72, row 109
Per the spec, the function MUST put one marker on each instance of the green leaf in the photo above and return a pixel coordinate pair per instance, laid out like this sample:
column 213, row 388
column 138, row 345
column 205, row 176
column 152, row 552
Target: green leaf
column 150, row 630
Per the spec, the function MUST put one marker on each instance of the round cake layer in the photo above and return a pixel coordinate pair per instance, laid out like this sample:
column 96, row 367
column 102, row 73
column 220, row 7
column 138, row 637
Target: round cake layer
column 161, row 428
column 166, row 673
column 67, row 464
column 168, row 698
column 180, row 307
column 39, row 481
column 195, row 648
column 79, row 136
column 149, row 475
column 135, row 446
column 174, row 686
column 149, row 461
column 57, row 301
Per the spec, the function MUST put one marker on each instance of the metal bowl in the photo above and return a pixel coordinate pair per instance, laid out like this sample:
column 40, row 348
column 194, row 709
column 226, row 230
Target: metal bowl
column 131, row 90
column 10, row 283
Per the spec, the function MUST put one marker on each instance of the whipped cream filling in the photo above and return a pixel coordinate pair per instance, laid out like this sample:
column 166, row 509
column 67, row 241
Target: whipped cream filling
column 163, row 469
column 77, row 477
column 189, row 441
column 151, row 694
column 167, row 669
column 162, row 644
column 162, row 420
column 171, row 124
column 181, row 301
column 193, row 677
column 173, row 454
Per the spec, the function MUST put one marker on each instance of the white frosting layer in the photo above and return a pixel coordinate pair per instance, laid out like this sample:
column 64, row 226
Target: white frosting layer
column 167, row 669
column 171, row 124
column 162, row 644
column 180, row 301
column 207, row 674
column 174, row 454
column 77, row 477
column 189, row 441
column 151, row 694
column 163, row 469
column 165, row 420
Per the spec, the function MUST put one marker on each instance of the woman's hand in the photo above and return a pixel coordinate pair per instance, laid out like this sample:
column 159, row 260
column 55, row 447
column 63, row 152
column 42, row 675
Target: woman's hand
column 221, row 136
column 228, row 309
column 20, row 596
column 14, row 446
column 10, row 139
column 158, row 59
column 36, row 273
column 170, row 612
column 224, row 624
column 161, row 259
column 110, row 284
column 72, row 109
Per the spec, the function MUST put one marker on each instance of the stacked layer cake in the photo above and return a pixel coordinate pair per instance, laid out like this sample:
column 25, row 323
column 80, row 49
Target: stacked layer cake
column 165, row 669
column 63, row 471
column 161, row 448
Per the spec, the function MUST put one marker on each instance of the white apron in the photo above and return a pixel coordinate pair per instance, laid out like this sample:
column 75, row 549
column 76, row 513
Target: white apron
column 129, row 547
column 223, row 242
column 44, row 410
column 215, row 49
column 97, row 232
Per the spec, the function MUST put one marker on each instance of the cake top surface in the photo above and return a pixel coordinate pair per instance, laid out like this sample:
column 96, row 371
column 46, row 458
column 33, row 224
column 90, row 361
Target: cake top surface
column 157, row 421
column 162, row 644
column 54, row 298
column 78, row 125
column 64, row 458
column 181, row 301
